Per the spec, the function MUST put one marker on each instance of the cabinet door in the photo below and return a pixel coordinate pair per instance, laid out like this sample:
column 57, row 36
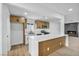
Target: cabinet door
column 17, row 19
column 41, row 49
column 13, row 19
column 42, row 24
column 62, row 41
column 39, row 24
column 49, row 46
column 46, row 47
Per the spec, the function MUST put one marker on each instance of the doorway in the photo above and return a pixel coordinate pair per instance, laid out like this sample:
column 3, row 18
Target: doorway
column 18, row 40
column 17, row 30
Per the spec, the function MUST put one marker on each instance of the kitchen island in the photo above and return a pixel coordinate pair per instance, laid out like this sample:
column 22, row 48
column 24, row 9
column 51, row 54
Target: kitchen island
column 42, row 45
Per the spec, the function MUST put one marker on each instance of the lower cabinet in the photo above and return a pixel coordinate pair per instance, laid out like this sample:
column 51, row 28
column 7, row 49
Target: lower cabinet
column 49, row 46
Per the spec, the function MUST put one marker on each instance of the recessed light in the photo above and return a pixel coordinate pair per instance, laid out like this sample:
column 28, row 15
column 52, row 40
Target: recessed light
column 70, row 9
column 25, row 13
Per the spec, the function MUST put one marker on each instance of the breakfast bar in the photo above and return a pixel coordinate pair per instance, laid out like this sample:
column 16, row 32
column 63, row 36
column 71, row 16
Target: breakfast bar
column 43, row 45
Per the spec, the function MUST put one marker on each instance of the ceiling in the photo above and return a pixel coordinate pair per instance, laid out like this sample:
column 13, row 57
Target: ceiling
column 49, row 9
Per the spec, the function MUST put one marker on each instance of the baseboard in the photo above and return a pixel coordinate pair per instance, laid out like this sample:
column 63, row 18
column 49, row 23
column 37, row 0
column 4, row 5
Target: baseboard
column 17, row 44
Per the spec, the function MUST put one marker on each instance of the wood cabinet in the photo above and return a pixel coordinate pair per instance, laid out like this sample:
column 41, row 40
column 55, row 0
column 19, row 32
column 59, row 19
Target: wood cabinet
column 49, row 46
column 41, row 24
column 17, row 19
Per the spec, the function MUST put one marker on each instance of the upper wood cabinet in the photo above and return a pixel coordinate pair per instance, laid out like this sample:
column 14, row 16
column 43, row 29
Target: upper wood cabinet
column 41, row 24
column 17, row 19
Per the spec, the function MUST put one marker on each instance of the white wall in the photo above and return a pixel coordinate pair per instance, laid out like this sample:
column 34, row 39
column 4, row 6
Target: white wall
column 16, row 33
column 5, row 29
column 62, row 26
column 0, row 29
column 55, row 28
